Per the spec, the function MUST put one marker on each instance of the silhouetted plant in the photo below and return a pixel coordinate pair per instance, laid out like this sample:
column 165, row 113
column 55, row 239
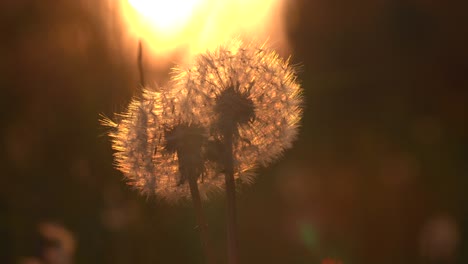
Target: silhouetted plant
column 155, row 146
column 162, row 154
column 250, row 100
column 247, row 91
column 232, row 109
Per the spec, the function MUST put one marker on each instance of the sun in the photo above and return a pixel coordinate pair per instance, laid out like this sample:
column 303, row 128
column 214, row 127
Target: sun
column 194, row 26
column 166, row 15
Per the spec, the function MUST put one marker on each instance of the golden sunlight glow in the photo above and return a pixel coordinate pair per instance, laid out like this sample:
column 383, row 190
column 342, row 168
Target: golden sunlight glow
column 192, row 26
column 167, row 15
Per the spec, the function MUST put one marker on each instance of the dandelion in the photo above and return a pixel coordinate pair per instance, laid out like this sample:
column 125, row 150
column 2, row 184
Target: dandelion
column 250, row 100
column 161, row 153
column 156, row 147
column 246, row 90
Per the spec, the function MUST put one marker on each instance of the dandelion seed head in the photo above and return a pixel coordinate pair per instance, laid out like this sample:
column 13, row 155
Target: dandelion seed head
column 153, row 144
column 248, row 89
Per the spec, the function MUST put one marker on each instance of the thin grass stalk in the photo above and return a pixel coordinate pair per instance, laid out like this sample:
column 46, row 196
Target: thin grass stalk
column 140, row 64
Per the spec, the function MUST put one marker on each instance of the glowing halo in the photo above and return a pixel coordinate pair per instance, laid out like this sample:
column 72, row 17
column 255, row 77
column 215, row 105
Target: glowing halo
column 166, row 15
column 194, row 26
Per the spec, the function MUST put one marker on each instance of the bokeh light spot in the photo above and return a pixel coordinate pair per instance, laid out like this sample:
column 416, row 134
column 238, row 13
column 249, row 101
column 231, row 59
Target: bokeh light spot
column 308, row 235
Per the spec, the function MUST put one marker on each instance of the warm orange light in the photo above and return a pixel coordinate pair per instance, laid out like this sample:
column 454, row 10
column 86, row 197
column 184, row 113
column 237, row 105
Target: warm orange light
column 165, row 15
column 193, row 26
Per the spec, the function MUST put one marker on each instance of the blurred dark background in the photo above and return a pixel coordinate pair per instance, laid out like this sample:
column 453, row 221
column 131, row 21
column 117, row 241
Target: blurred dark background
column 378, row 174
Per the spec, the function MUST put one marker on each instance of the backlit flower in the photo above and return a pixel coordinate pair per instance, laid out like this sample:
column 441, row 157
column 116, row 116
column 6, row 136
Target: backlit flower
column 242, row 90
column 246, row 90
column 155, row 145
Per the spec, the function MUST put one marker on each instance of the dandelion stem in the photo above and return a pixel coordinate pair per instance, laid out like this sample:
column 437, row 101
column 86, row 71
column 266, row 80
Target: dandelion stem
column 187, row 140
column 201, row 220
column 231, row 210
